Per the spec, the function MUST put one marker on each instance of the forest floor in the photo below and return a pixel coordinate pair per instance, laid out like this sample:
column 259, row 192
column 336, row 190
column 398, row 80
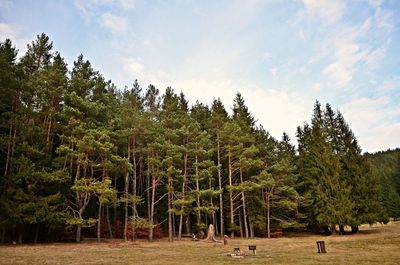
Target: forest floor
column 378, row 244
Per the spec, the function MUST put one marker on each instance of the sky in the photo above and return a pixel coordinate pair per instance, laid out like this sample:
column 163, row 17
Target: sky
column 281, row 56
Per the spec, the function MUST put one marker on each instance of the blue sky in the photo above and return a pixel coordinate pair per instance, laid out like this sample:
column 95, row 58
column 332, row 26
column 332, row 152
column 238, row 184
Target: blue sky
column 281, row 55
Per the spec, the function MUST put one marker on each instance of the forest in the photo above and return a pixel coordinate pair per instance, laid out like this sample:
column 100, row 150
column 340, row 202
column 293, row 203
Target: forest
column 80, row 157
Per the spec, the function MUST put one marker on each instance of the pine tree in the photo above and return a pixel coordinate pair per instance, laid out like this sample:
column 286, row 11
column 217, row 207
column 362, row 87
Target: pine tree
column 385, row 170
column 154, row 151
column 204, row 191
column 9, row 83
column 84, row 138
column 132, row 120
column 230, row 137
column 219, row 117
column 32, row 196
column 171, row 115
column 320, row 168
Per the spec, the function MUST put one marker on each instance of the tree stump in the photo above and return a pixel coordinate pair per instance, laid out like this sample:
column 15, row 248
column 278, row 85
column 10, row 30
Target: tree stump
column 210, row 232
column 321, row 246
column 211, row 235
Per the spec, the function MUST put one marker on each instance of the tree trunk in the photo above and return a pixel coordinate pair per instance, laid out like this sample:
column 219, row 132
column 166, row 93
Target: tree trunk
column 141, row 174
column 71, row 161
column 198, row 213
column 115, row 216
column 134, row 187
column 49, row 128
column 79, row 203
column 170, row 228
column 231, row 194
column 185, row 158
column 21, row 234
column 214, row 221
column 332, row 228
column 341, row 229
column 221, row 202
column 141, row 177
column 2, row 235
column 153, row 194
column 37, row 229
column 241, row 225
column 150, row 204
column 244, row 207
column 78, row 233
column 187, row 223
column 11, row 140
column 354, row 229
column 268, row 215
column 126, row 190
column 180, row 226
column 108, row 222
column 99, row 222
column 82, row 203
column 251, row 229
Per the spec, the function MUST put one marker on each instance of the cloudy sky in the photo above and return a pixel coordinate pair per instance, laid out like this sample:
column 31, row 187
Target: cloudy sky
column 280, row 55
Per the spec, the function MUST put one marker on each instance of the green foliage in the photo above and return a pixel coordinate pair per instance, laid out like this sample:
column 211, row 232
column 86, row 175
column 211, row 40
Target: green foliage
column 385, row 168
column 336, row 181
column 72, row 144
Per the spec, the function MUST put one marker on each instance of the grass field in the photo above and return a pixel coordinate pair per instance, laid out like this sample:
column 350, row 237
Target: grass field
column 379, row 244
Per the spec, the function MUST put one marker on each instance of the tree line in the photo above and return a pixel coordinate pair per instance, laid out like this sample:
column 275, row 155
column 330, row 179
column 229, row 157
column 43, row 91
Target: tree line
column 80, row 155
column 386, row 165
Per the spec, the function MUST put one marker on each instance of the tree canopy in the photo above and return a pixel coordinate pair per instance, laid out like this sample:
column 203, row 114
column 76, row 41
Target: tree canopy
column 80, row 156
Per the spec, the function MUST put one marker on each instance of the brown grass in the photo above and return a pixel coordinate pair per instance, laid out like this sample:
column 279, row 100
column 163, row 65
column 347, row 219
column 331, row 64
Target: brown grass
column 379, row 244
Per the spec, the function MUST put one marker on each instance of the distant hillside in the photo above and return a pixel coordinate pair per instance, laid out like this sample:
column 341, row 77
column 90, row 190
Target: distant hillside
column 386, row 166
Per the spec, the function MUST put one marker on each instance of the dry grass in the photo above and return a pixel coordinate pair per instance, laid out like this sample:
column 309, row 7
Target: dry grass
column 379, row 244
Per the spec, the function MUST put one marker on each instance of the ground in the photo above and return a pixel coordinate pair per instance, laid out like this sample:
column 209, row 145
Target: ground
column 378, row 244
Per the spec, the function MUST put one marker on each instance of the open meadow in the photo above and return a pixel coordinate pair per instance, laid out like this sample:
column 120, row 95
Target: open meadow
column 379, row 244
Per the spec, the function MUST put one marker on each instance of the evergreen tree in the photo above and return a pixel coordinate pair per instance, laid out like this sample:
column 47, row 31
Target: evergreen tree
column 31, row 188
column 230, row 137
column 171, row 117
column 72, row 145
column 219, row 117
column 385, row 168
column 328, row 198
column 133, row 124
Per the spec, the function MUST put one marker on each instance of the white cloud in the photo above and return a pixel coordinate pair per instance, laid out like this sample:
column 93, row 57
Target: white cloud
column 114, row 23
column 136, row 68
column 92, row 8
column 390, row 85
column 301, row 35
column 348, row 50
column 375, row 122
column 316, row 87
column 274, row 71
column 375, row 3
column 339, row 73
column 330, row 11
column 373, row 58
column 11, row 32
column 347, row 54
column 127, row 4
column 384, row 19
column 7, row 31
column 267, row 56
column 87, row 7
column 6, row 4
column 276, row 110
